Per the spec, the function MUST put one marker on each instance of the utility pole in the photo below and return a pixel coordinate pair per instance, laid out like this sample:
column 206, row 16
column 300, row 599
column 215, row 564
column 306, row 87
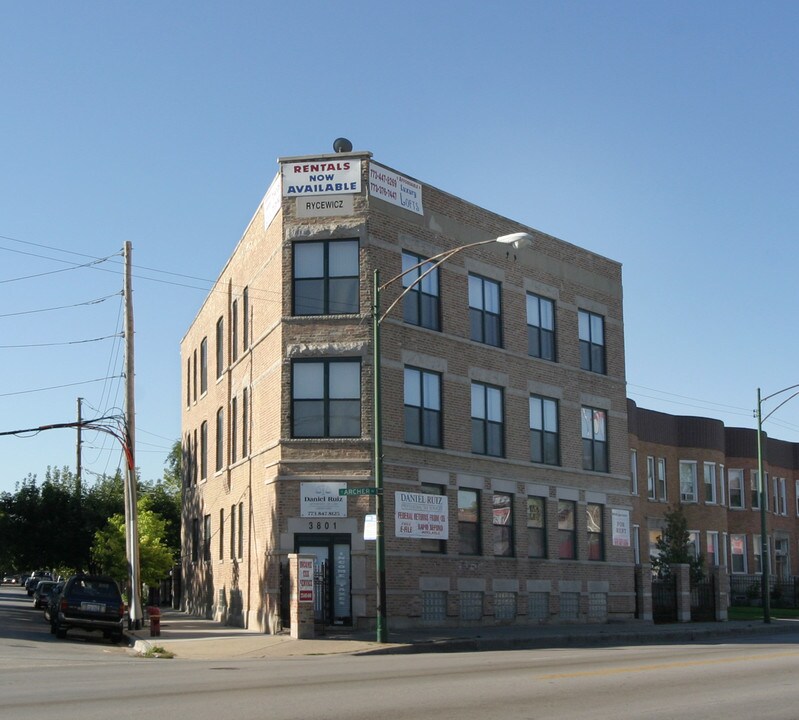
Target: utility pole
column 78, row 467
column 131, row 513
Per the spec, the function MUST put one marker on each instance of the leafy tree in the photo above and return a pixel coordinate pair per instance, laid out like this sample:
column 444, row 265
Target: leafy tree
column 155, row 558
column 674, row 547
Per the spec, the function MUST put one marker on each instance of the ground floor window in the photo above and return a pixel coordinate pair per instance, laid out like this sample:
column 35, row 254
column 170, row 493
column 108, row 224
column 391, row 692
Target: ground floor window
column 505, row 605
column 471, row 605
column 569, row 606
column 538, row 606
column 434, row 605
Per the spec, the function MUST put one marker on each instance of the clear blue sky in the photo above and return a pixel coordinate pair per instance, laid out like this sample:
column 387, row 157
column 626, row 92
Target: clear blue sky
column 662, row 135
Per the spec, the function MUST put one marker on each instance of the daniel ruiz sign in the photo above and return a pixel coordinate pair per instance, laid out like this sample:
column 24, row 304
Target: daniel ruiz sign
column 322, row 500
column 322, row 177
column 419, row 515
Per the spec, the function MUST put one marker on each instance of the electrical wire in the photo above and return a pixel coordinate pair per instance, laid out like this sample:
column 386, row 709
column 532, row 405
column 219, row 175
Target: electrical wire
column 57, row 344
column 60, row 307
column 52, row 387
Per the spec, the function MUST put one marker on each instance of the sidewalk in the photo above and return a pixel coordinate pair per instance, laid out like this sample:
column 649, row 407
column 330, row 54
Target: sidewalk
column 192, row 637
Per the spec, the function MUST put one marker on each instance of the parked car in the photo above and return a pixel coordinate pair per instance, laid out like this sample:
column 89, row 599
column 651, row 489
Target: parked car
column 89, row 602
column 33, row 580
column 42, row 593
column 53, row 598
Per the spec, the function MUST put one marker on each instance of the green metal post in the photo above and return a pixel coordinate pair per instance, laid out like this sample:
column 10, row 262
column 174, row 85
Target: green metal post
column 380, row 549
column 762, row 490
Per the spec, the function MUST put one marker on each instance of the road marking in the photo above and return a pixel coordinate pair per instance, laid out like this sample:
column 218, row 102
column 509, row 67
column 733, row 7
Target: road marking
column 667, row 666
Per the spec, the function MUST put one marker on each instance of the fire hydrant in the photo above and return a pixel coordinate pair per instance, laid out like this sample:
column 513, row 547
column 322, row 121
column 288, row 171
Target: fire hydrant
column 155, row 621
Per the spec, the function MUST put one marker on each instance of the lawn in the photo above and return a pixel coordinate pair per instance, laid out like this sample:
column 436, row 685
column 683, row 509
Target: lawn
column 756, row 613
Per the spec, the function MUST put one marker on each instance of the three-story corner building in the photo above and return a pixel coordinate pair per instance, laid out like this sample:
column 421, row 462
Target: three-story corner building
column 505, row 439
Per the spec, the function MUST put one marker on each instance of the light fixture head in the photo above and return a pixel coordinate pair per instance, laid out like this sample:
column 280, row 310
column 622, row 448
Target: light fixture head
column 517, row 240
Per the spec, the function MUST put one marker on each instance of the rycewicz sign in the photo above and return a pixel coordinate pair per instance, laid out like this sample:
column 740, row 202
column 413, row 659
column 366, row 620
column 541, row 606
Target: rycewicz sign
column 322, row 177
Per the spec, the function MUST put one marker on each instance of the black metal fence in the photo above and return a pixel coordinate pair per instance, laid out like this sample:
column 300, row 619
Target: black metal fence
column 703, row 600
column 748, row 590
column 664, row 600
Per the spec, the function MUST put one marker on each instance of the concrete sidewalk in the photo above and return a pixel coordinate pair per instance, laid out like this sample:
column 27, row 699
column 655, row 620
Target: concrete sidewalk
column 192, row 637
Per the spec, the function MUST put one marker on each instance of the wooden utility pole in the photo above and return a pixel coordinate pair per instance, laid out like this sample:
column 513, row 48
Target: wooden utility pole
column 131, row 512
column 78, row 468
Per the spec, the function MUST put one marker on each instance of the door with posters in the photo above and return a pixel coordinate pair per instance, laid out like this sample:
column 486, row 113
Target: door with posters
column 332, row 568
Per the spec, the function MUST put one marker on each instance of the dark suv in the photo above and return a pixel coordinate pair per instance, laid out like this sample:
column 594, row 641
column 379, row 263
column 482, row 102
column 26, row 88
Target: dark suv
column 89, row 602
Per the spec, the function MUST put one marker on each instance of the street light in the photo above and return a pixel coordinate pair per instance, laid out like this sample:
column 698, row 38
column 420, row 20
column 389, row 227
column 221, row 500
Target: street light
column 514, row 240
column 762, row 490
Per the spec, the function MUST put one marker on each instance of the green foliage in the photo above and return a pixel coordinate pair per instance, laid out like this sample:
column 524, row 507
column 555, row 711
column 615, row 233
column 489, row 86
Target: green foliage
column 155, row 558
column 674, row 547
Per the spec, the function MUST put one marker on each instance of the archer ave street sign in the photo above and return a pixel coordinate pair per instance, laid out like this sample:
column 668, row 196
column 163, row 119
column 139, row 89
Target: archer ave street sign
column 361, row 491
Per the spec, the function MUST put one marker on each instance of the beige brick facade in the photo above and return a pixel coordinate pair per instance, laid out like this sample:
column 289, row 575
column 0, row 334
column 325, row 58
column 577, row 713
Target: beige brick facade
column 263, row 480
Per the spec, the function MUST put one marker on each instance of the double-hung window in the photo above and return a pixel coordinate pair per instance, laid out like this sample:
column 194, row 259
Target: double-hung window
column 544, row 436
column 595, row 531
column 540, row 327
column 326, row 398
column 207, row 538
column 469, row 521
column 650, row 478
column 203, row 367
column 485, row 312
column 220, row 439
column 536, row 526
column 234, row 428
column 326, row 277
column 754, row 490
column 220, row 347
column 433, row 545
column 595, row 439
column 567, row 545
column 502, row 521
column 738, row 553
column 422, row 304
column 735, row 478
column 710, row 482
column 487, row 420
column 592, row 341
column 234, row 331
column 204, row 450
column 422, row 407
column 245, row 319
column 688, row 481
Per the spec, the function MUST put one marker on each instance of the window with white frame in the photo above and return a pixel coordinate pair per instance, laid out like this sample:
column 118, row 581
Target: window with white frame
column 688, row 480
column 709, row 469
column 754, row 490
column 783, row 498
column 637, row 544
column 757, row 551
column 738, row 553
column 650, row 477
column 722, row 487
column 775, row 503
column 712, row 549
column 735, row 481
column 634, row 472
column 661, row 479
column 694, row 543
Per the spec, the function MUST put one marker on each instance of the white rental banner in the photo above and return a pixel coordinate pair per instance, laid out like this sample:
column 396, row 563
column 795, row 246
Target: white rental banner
column 621, row 527
column 322, row 177
column 418, row 515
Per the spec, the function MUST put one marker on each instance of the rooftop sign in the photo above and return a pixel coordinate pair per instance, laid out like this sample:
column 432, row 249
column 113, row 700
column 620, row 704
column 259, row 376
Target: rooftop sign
column 321, row 177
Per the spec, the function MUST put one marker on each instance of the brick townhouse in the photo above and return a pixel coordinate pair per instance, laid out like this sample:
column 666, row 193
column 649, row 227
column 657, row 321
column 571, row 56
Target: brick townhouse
column 520, row 515
column 712, row 472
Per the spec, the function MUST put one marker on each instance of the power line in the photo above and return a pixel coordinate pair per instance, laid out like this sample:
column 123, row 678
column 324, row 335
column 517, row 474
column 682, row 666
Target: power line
column 60, row 307
column 56, row 344
column 53, row 387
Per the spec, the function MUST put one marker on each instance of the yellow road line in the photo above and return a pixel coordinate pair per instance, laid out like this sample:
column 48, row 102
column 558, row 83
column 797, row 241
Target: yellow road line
column 667, row 666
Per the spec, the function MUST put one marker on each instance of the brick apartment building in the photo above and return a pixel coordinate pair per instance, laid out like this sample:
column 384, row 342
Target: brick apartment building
column 523, row 514
column 712, row 471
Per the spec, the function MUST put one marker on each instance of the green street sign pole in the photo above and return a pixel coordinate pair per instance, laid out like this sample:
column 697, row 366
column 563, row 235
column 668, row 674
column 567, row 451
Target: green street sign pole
column 380, row 549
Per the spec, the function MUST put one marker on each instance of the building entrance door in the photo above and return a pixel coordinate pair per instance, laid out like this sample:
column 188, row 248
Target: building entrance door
column 331, row 562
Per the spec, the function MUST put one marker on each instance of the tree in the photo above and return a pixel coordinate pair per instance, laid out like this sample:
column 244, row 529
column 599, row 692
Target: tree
column 155, row 558
column 674, row 547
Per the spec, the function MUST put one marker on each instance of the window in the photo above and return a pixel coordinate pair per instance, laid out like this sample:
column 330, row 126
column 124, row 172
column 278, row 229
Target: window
column 326, row 277
column 188, row 381
column 544, row 437
column 222, row 534
column 241, row 529
column 220, row 347
column 233, row 532
column 783, row 498
column 738, row 553
column 204, row 450
column 710, row 482
column 754, row 490
column 194, row 463
column 422, row 407
column 687, row 480
column 661, row 479
column 421, row 305
column 469, row 522
column 431, row 545
column 650, row 478
column 693, row 544
column 207, row 538
column 595, row 531
column 540, row 327
column 712, row 549
column 195, row 539
column 722, row 488
column 234, row 330
column 595, row 440
column 245, row 425
column 592, row 341
column 487, row 420
column 536, row 527
column 326, row 398
column 736, row 485
column 484, row 311
column 567, row 547
column 234, row 428
column 796, row 490
column 194, row 377
column 634, row 472
column 757, row 552
column 203, row 366
column 502, row 522
column 220, row 445
column 245, row 319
